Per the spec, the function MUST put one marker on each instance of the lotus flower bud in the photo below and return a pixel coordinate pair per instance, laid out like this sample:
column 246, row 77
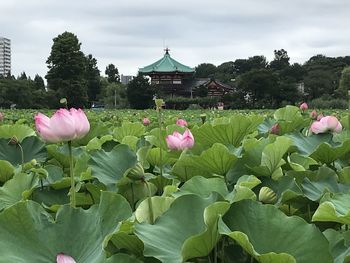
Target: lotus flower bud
column 313, row 115
column 146, row 121
column 63, row 126
column 275, row 129
column 62, row 258
column 304, row 106
column 180, row 142
column 159, row 103
column 267, row 195
column 181, row 122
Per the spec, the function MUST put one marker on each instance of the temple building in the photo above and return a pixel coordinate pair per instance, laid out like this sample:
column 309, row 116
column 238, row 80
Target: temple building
column 177, row 79
column 173, row 77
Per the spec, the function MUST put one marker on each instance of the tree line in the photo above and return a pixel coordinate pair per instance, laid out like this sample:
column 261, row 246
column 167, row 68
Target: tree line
column 257, row 83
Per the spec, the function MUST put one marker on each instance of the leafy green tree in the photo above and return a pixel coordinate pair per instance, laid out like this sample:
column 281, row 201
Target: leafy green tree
column 344, row 83
column 66, row 73
column 23, row 76
column 205, row 70
column 140, row 93
column 281, row 60
column 242, row 66
column 225, row 72
column 112, row 74
column 39, row 82
column 92, row 75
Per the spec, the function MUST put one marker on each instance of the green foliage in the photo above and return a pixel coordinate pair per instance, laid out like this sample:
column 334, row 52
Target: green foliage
column 66, row 73
column 140, row 93
column 112, row 74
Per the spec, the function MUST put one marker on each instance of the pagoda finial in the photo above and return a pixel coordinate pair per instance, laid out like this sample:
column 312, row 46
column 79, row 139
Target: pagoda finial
column 167, row 50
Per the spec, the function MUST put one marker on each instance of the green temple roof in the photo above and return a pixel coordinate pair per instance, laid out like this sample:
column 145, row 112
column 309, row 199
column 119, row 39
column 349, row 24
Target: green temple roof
column 166, row 64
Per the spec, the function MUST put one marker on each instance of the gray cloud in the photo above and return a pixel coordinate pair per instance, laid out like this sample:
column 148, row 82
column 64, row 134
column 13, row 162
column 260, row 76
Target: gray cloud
column 131, row 34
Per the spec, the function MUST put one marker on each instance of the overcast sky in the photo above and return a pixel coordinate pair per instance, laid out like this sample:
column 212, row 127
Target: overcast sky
column 132, row 33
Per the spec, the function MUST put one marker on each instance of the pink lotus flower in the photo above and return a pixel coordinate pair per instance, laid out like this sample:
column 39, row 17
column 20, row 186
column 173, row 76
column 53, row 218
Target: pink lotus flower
column 146, row 121
column 328, row 123
column 1, row 116
column 275, row 129
column 304, row 106
column 181, row 122
column 313, row 115
column 62, row 258
column 63, row 126
column 180, row 142
column 320, row 116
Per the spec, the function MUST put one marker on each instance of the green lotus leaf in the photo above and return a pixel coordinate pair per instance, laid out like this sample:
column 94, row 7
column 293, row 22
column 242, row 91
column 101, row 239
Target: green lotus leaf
column 17, row 130
column 327, row 153
column 33, row 148
column 160, row 204
column 122, row 258
column 203, row 187
column 96, row 143
column 153, row 157
column 186, row 230
column 215, row 161
column 306, row 145
column 333, row 208
column 131, row 141
column 269, row 235
column 128, row 129
column 123, row 239
column 28, row 234
column 109, row 167
column 299, row 162
column 97, row 129
column 17, row 189
column 153, row 138
column 290, row 119
column 272, row 158
column 338, row 243
column 230, row 133
column 6, row 171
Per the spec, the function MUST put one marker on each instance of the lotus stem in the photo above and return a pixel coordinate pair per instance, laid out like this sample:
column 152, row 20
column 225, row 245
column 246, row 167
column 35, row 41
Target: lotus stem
column 22, row 154
column 160, row 145
column 150, row 204
column 71, row 173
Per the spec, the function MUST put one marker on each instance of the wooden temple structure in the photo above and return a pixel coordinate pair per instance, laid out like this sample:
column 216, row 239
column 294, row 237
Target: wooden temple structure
column 177, row 79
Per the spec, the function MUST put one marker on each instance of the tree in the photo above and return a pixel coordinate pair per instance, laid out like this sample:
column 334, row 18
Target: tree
column 112, row 74
column 66, row 73
column 205, row 70
column 281, row 60
column 92, row 75
column 23, row 76
column 39, row 82
column 242, row 66
column 226, row 72
column 140, row 93
column 344, row 83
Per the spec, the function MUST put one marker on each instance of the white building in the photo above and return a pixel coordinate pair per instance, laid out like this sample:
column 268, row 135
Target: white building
column 125, row 79
column 5, row 56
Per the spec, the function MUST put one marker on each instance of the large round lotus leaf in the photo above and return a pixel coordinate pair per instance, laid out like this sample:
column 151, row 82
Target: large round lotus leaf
column 229, row 132
column 109, row 167
column 6, row 171
column 33, row 148
column 19, row 131
column 270, row 236
column 16, row 189
column 28, row 234
column 122, row 258
column 333, row 208
column 186, row 230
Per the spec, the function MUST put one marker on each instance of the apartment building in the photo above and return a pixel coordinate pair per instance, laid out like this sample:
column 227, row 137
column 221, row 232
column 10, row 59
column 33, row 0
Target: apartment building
column 5, row 56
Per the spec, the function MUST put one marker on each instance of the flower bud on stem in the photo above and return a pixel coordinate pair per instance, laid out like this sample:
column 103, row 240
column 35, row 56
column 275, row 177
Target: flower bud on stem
column 71, row 173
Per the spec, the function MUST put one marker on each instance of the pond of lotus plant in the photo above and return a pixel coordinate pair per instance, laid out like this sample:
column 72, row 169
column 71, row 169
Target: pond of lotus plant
column 172, row 187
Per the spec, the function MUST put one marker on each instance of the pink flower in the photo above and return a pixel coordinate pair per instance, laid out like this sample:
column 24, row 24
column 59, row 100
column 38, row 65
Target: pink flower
column 146, row 121
column 320, row 116
column 275, row 129
column 313, row 115
column 63, row 126
column 303, row 106
column 181, row 122
column 328, row 123
column 1, row 116
column 180, row 142
column 62, row 258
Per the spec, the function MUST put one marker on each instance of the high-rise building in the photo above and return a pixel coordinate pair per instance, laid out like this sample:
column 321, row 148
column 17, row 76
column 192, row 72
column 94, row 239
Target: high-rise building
column 125, row 79
column 5, row 56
